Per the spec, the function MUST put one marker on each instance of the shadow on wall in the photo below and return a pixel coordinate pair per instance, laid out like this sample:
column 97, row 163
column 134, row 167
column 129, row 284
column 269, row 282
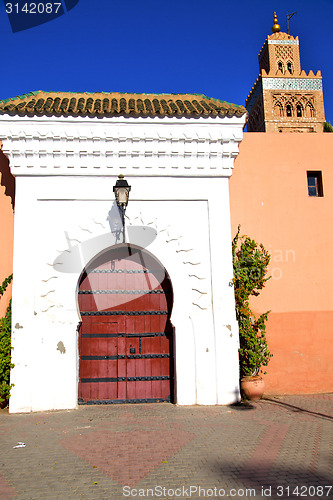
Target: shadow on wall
column 7, row 179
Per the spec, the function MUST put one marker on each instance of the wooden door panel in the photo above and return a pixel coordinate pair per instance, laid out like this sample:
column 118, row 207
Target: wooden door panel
column 105, row 391
column 121, row 388
column 124, row 351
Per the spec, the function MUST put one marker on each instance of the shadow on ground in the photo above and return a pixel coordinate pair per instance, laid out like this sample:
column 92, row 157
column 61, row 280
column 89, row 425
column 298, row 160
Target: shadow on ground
column 243, row 406
column 298, row 409
column 277, row 481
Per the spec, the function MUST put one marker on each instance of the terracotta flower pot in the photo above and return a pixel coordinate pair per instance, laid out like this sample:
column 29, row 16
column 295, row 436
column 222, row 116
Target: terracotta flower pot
column 252, row 387
column 3, row 404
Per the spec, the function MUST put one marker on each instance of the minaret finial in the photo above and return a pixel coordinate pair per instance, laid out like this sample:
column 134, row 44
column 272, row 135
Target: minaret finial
column 276, row 26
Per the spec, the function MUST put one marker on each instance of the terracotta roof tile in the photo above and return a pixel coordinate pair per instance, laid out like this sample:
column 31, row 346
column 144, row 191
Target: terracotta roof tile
column 109, row 104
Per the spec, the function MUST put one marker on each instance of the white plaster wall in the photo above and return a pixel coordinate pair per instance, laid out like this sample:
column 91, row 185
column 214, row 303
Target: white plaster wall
column 61, row 224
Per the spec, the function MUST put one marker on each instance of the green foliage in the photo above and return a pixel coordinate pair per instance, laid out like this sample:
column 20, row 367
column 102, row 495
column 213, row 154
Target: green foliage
column 5, row 283
column 328, row 127
column 250, row 262
column 5, row 347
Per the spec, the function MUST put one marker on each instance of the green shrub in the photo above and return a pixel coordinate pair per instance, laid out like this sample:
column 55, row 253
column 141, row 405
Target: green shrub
column 328, row 127
column 5, row 347
column 250, row 263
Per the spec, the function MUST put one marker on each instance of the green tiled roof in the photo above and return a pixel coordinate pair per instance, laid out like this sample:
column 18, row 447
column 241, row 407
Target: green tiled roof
column 116, row 103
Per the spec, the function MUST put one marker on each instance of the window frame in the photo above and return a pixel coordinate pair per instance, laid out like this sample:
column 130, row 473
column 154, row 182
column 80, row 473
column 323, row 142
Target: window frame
column 318, row 176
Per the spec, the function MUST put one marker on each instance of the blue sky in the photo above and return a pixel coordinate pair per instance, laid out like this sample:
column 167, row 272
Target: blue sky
column 183, row 46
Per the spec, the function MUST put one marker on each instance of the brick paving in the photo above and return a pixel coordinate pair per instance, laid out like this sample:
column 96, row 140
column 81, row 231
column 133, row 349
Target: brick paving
column 263, row 450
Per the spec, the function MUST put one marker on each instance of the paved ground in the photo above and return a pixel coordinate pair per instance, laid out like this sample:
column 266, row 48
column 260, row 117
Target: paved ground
column 277, row 448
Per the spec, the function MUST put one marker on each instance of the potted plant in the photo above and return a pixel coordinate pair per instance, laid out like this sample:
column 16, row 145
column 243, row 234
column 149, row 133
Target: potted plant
column 250, row 263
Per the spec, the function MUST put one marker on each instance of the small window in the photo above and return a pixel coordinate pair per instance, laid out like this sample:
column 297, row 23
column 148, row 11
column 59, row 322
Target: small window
column 315, row 183
column 290, row 68
column 299, row 111
column 288, row 110
column 280, row 66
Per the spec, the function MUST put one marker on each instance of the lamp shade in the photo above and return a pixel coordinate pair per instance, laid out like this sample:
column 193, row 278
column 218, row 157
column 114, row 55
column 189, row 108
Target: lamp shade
column 121, row 191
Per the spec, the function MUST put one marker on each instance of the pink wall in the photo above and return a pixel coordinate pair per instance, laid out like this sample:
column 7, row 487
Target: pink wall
column 269, row 198
column 7, row 195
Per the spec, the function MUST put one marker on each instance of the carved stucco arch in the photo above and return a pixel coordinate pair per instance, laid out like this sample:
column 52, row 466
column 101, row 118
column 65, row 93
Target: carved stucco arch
column 291, row 70
column 309, row 110
column 278, row 109
column 190, row 281
column 292, row 110
column 280, row 66
column 299, row 105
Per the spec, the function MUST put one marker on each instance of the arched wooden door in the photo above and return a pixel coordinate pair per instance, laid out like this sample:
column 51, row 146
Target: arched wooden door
column 125, row 339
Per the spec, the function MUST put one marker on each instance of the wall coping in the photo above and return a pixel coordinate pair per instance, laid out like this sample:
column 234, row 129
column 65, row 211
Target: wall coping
column 139, row 146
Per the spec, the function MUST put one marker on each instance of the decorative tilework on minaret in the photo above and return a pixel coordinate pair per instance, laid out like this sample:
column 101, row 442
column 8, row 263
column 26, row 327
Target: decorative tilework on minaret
column 284, row 98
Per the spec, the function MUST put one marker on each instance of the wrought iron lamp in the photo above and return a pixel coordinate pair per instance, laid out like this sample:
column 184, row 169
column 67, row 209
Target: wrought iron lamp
column 121, row 191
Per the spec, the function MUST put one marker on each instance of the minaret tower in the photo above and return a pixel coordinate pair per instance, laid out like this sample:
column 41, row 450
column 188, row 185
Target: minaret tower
column 284, row 98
